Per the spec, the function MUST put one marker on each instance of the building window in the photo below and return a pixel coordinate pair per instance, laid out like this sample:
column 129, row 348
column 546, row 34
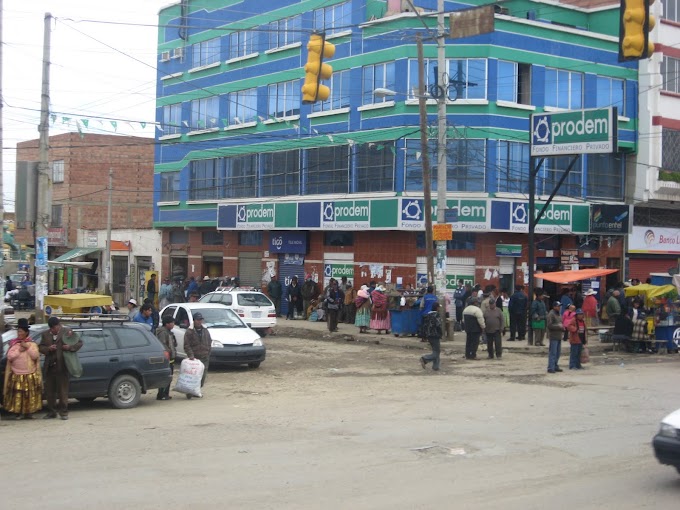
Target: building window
column 339, row 97
column 242, row 106
column 671, row 11
column 205, row 112
column 206, row 52
column 514, row 82
column 280, row 173
column 563, row 89
column 285, row 31
column 331, row 238
column 414, row 164
column 204, row 179
column 56, row 216
column 169, row 187
column 172, row 119
column 250, row 238
column 179, row 237
column 468, row 78
column 336, row 18
column 611, row 92
column 378, row 76
column 545, row 242
column 605, row 176
column 284, row 99
column 375, row 167
column 242, row 44
column 554, row 168
column 460, row 241
column 513, row 167
column 328, row 170
column 670, row 74
column 240, row 177
column 213, row 238
column 670, row 150
column 58, row 171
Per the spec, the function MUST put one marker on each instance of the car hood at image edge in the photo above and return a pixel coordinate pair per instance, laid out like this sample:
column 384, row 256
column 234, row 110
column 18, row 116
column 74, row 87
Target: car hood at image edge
column 673, row 419
column 234, row 336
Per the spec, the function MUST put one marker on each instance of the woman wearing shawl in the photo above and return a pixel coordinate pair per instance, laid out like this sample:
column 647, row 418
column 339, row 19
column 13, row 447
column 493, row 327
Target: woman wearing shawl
column 380, row 316
column 23, row 379
column 362, row 302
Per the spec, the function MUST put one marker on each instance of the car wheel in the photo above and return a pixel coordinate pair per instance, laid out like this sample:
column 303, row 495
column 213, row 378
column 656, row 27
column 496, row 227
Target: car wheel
column 255, row 365
column 86, row 400
column 262, row 332
column 125, row 392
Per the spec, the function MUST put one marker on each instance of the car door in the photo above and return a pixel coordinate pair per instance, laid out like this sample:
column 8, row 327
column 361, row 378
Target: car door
column 182, row 322
column 99, row 357
column 139, row 352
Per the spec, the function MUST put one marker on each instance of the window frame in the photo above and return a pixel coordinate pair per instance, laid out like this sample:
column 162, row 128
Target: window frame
column 610, row 101
column 556, row 88
column 169, row 187
column 273, row 170
column 56, row 216
column 368, row 74
column 336, row 13
column 206, row 52
column 242, row 44
column 205, row 112
column 284, row 32
column 521, row 82
column 374, row 170
column 340, row 89
column 673, row 73
column 320, row 165
column 57, row 167
column 506, row 167
column 172, row 119
column 209, row 184
column 242, row 104
column 239, row 176
column 286, row 94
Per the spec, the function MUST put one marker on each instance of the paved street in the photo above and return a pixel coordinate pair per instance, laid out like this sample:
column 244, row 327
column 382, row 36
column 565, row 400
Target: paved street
column 346, row 425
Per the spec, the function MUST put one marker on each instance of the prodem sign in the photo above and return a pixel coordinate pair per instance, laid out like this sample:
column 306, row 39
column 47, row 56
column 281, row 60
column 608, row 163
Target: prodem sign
column 574, row 132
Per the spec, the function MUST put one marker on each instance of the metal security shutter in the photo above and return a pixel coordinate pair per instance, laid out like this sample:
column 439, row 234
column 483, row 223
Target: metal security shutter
column 250, row 268
column 288, row 269
column 456, row 267
column 506, row 265
column 641, row 268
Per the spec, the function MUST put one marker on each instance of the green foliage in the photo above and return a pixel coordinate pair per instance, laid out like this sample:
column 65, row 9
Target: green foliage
column 665, row 175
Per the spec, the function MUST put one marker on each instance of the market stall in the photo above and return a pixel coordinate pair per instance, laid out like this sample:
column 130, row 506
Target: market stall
column 664, row 322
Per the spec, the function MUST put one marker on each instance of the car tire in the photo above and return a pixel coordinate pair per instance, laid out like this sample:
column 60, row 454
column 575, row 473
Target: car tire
column 86, row 400
column 262, row 332
column 125, row 392
column 256, row 364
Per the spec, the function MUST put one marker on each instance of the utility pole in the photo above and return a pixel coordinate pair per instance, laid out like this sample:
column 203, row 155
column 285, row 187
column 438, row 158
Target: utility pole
column 107, row 252
column 44, row 180
column 425, row 159
column 2, row 201
column 442, row 96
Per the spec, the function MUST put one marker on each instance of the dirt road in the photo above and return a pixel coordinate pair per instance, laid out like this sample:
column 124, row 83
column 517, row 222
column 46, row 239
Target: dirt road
column 341, row 425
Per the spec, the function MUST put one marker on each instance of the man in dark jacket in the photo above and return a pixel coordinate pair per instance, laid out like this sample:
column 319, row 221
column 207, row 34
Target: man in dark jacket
column 474, row 325
column 167, row 338
column 310, row 290
column 517, row 308
column 432, row 330
column 275, row 292
column 197, row 344
column 555, row 331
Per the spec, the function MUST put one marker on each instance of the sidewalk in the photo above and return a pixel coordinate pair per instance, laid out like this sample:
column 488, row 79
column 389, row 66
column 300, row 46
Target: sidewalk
column 350, row 333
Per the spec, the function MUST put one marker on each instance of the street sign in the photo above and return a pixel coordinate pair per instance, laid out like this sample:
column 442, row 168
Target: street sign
column 442, row 232
column 574, row 132
column 471, row 22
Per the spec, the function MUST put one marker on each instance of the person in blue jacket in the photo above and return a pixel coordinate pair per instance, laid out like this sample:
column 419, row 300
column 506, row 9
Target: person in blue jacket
column 144, row 316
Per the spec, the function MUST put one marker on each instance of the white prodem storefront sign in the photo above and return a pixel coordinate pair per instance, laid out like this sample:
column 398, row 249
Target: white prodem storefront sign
column 655, row 240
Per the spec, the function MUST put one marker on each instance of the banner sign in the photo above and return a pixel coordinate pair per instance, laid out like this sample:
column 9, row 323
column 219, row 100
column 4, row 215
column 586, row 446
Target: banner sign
column 508, row 250
column 574, row 132
column 664, row 241
column 610, row 219
column 288, row 242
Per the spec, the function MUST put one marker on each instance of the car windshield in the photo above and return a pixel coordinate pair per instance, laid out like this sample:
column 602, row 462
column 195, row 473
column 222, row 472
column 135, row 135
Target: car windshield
column 219, row 318
column 253, row 299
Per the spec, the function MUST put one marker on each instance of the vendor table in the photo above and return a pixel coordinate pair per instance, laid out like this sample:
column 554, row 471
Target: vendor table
column 666, row 336
column 405, row 321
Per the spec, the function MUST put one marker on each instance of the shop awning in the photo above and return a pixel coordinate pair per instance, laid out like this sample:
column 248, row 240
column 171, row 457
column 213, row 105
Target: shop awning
column 574, row 276
column 120, row 245
column 75, row 253
column 652, row 292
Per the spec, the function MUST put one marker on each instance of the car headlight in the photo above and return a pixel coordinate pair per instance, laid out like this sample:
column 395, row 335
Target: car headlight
column 258, row 343
column 216, row 343
column 667, row 430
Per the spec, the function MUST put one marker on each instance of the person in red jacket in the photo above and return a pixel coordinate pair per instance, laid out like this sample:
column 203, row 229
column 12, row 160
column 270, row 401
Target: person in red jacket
column 590, row 308
column 577, row 339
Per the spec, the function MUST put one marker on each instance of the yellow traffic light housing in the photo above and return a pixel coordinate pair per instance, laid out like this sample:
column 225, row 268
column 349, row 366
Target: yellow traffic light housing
column 635, row 25
column 315, row 70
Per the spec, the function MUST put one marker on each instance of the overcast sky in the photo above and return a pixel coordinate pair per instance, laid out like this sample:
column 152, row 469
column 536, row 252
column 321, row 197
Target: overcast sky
column 92, row 84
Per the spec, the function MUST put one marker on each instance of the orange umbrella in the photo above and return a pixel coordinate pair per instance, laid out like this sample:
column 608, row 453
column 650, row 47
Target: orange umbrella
column 573, row 276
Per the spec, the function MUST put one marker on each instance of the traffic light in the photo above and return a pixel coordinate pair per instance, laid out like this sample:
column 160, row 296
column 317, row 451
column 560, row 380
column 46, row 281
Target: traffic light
column 635, row 25
column 315, row 70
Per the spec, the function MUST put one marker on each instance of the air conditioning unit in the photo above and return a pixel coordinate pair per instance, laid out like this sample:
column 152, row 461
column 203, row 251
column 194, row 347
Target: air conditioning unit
column 178, row 53
column 165, row 56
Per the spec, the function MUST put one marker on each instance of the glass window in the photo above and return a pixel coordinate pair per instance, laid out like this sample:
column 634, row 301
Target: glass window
column 253, row 299
column 179, row 237
column 280, row 173
column 96, row 341
column 56, row 220
column 251, row 238
column 338, row 238
column 57, row 170
column 514, row 82
column 205, row 112
column 240, row 176
column 460, row 241
column 285, row 31
column 554, row 168
column 670, row 150
column 467, row 78
column 212, row 238
column 513, row 166
column 611, row 92
column 172, row 119
column 414, row 164
column 606, row 176
column 328, row 170
column 670, row 10
column 242, row 106
column 339, row 97
column 130, row 338
column 182, row 318
column 204, row 179
column 563, row 89
column 336, row 18
column 242, row 44
column 670, row 74
column 206, row 52
column 375, row 167
column 377, row 76
column 169, row 187
column 219, row 297
column 284, row 99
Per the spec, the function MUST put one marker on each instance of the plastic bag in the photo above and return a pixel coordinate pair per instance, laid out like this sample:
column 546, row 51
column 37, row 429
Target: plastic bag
column 190, row 375
column 585, row 355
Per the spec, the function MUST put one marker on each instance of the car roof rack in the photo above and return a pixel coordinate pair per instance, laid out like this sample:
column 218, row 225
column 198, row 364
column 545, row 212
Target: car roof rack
column 229, row 288
column 92, row 317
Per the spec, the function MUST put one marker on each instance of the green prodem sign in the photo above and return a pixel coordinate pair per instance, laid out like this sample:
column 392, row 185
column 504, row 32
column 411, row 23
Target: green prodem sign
column 574, row 132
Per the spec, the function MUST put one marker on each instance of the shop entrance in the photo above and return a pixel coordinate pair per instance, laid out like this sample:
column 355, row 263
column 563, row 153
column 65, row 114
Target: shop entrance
column 547, row 265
